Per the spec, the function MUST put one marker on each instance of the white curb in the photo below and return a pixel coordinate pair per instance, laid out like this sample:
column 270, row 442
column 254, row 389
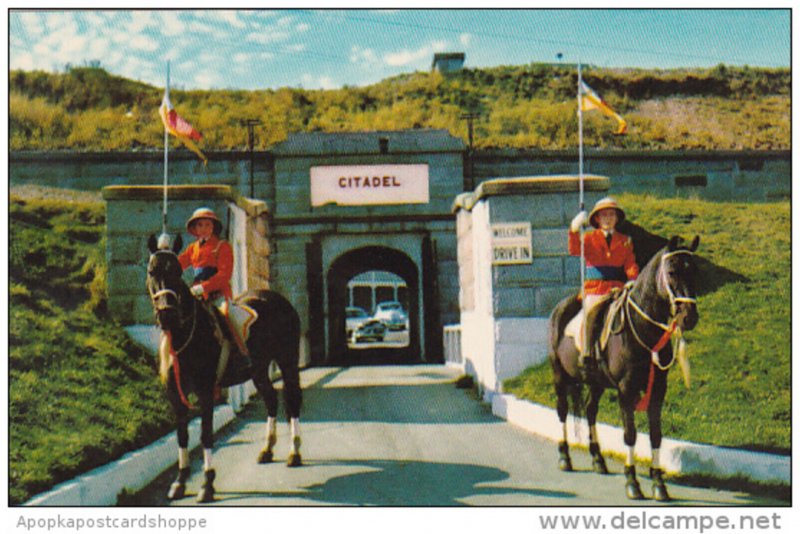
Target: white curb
column 101, row 486
column 676, row 456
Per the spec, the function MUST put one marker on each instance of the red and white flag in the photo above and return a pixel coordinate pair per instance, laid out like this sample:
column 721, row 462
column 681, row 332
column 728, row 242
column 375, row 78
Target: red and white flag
column 179, row 127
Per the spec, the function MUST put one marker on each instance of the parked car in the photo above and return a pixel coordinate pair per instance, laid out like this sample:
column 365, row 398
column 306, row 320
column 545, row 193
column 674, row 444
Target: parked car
column 354, row 317
column 391, row 314
column 372, row 330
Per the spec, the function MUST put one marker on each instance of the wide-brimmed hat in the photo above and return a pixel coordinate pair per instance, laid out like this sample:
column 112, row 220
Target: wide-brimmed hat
column 203, row 213
column 606, row 203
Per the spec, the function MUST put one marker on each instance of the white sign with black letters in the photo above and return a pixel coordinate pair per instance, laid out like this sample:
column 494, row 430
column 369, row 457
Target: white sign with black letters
column 359, row 185
column 511, row 243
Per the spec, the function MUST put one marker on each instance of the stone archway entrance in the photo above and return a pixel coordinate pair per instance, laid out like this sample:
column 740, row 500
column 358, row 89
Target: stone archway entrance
column 342, row 271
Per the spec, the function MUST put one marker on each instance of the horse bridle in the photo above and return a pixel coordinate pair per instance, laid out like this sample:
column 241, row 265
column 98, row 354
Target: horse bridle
column 673, row 304
column 662, row 277
column 154, row 296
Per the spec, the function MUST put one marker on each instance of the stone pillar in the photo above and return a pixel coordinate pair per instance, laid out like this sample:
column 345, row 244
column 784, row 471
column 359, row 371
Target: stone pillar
column 133, row 213
column 514, row 268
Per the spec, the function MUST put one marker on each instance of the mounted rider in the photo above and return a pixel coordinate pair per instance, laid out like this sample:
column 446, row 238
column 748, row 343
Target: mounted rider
column 610, row 264
column 211, row 259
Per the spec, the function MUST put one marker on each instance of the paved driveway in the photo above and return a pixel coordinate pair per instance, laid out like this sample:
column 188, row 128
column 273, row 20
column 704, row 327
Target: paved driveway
column 405, row 436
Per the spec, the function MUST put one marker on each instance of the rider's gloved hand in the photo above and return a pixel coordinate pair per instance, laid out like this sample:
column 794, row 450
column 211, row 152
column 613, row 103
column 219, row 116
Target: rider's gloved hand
column 581, row 219
column 197, row 290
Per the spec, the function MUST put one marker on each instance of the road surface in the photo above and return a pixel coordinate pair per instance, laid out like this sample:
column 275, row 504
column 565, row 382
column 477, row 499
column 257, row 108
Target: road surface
column 405, row 436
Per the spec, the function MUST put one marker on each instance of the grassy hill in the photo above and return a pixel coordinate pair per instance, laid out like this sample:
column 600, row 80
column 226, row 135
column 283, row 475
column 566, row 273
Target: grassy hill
column 740, row 351
column 80, row 393
column 528, row 106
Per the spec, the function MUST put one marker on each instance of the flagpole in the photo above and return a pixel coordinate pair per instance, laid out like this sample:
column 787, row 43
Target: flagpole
column 582, row 206
column 166, row 161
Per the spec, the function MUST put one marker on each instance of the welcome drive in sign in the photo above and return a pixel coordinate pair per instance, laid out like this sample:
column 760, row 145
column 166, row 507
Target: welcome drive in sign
column 359, row 185
column 511, row 243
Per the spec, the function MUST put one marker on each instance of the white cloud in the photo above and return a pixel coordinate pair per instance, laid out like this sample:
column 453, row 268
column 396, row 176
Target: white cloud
column 23, row 60
column 32, row 23
column 207, row 79
column 57, row 21
column 199, row 27
column 231, row 17
column 142, row 42
column 268, row 36
column 141, row 20
column 171, row 23
column 318, row 82
column 302, row 27
column 363, row 55
column 465, row 39
column 406, row 57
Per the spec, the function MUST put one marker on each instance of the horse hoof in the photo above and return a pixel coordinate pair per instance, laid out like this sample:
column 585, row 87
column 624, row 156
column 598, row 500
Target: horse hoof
column 565, row 464
column 265, row 456
column 178, row 488
column 660, row 493
column 206, row 493
column 633, row 491
column 599, row 466
column 176, row 491
column 295, row 460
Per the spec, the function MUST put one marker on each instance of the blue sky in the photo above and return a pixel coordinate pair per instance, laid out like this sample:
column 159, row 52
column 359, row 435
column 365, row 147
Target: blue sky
column 214, row 49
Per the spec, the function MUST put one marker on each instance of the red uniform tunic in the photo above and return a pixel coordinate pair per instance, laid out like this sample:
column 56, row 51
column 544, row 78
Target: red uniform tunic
column 606, row 267
column 214, row 254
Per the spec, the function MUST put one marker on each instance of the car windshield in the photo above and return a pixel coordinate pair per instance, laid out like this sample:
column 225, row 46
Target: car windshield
column 356, row 312
column 390, row 306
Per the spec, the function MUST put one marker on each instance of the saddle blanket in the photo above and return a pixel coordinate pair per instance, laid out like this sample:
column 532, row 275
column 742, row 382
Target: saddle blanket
column 574, row 328
column 240, row 318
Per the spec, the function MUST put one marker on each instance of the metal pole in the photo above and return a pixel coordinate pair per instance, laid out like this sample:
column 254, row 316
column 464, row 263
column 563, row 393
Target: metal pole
column 469, row 184
column 251, row 123
column 166, row 160
column 582, row 206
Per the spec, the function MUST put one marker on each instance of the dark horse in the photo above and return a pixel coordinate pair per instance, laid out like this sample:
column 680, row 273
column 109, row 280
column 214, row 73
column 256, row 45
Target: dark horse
column 190, row 364
column 659, row 303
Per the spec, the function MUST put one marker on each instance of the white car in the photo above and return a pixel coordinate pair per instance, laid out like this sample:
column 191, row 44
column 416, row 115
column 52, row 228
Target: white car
column 391, row 314
column 354, row 317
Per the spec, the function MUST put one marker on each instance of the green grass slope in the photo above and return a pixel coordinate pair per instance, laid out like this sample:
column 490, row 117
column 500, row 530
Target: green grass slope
column 740, row 351
column 80, row 393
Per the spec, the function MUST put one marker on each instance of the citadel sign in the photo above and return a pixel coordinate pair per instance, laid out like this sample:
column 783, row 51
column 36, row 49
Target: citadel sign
column 360, row 185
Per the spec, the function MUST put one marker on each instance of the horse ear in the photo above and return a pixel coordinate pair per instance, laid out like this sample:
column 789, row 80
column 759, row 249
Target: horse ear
column 152, row 244
column 176, row 248
column 673, row 243
column 695, row 243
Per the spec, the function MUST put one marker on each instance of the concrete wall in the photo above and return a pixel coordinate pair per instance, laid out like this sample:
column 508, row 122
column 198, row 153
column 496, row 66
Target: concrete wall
column 504, row 307
column 745, row 176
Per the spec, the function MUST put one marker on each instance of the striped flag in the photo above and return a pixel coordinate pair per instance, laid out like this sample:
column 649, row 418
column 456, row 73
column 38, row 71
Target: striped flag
column 178, row 127
column 591, row 100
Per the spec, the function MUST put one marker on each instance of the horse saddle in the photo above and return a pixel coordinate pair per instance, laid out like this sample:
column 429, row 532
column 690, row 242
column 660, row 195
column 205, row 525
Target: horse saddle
column 610, row 309
column 238, row 318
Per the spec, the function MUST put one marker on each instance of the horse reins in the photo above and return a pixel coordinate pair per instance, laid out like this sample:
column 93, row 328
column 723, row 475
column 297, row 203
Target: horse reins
column 175, row 353
column 669, row 329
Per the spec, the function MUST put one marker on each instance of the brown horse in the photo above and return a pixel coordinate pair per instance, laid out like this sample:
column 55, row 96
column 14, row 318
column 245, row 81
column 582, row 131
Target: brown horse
column 635, row 358
column 194, row 355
